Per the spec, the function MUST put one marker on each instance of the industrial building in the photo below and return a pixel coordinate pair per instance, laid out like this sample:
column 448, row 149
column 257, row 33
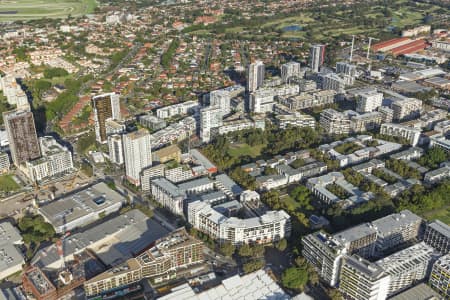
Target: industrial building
column 81, row 207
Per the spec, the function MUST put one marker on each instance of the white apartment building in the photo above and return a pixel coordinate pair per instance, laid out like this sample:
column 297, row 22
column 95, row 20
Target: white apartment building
column 210, row 117
column 179, row 174
column 114, row 127
column 409, row 133
column 177, row 109
column 363, row 280
column 368, row 100
column 4, row 162
column 137, row 154
column 255, row 76
column 346, row 69
column 396, row 229
column 221, row 99
column 115, row 148
column 270, row 227
column 325, row 254
column 14, row 93
column 408, row 266
column 388, row 114
column 290, row 69
column 263, row 100
column 174, row 132
column 309, row 99
column 295, row 119
column 56, row 160
column 168, row 195
column 231, row 125
column 333, row 81
column 149, row 174
column 367, row 121
column 334, row 122
column 406, row 109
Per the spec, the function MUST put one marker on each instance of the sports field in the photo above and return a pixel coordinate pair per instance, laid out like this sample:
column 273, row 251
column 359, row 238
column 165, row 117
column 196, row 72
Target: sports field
column 12, row 10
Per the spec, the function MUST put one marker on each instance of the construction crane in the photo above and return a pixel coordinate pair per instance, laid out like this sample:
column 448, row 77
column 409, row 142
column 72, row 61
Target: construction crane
column 351, row 49
column 370, row 44
column 65, row 276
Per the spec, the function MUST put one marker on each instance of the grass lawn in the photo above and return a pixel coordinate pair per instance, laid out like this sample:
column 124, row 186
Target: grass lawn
column 301, row 19
column 237, row 150
column 36, row 9
column 7, row 184
column 442, row 214
column 289, row 202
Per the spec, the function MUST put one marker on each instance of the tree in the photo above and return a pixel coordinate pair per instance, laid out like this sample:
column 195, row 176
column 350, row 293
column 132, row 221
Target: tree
column 272, row 199
column 295, row 278
column 55, row 72
column 282, row 245
column 253, row 265
column 227, row 249
column 245, row 250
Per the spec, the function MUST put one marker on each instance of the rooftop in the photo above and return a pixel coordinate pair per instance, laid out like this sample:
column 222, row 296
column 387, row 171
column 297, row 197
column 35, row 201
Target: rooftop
column 354, row 233
column 81, row 203
column 256, row 285
column 418, row 292
column 393, row 222
column 124, row 235
column 440, row 227
column 365, row 267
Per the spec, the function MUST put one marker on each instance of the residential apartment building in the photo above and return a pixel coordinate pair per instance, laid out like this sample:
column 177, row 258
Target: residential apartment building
column 241, row 123
column 437, row 235
column 334, row 122
column 408, row 266
column 333, row 81
column 440, row 276
column 406, row 132
column 210, row 117
column 149, row 174
column 360, row 240
column 221, row 99
column 168, row 195
column 105, row 106
column 152, row 122
column 115, row 148
column 177, row 109
column 406, row 109
column 396, row 229
column 162, row 261
column 137, row 154
column 175, row 132
column 22, row 137
column 347, row 70
column 295, row 119
column 368, row 100
column 56, row 160
column 255, row 76
column 270, row 227
column 437, row 175
column 289, row 70
column 363, row 280
column 4, row 162
column 388, row 114
column 325, row 254
column 309, row 99
column 316, row 57
column 367, row 121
